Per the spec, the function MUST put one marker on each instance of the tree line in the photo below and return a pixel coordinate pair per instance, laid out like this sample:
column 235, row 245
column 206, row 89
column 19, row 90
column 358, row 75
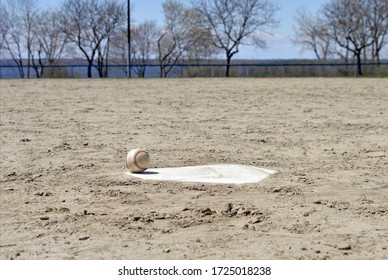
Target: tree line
column 350, row 30
column 96, row 30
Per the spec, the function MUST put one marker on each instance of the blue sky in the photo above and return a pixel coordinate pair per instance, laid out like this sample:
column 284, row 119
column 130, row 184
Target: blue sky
column 279, row 43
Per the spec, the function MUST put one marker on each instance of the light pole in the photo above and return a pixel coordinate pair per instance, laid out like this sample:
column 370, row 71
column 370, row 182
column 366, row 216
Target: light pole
column 129, row 38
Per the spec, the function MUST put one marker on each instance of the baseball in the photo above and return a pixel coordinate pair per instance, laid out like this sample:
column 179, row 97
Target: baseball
column 137, row 161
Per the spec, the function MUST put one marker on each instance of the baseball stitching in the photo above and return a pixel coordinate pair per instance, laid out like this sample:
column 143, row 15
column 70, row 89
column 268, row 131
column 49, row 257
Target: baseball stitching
column 135, row 159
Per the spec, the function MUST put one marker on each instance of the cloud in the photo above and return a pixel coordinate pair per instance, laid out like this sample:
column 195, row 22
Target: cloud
column 268, row 35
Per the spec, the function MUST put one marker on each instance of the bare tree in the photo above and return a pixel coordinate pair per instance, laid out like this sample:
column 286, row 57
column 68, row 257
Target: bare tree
column 29, row 14
column 202, row 48
column 348, row 26
column 237, row 22
column 112, row 13
column 377, row 18
column 182, row 28
column 89, row 24
column 144, row 41
column 312, row 34
column 30, row 37
column 4, row 26
column 12, row 40
column 52, row 40
column 20, row 22
column 119, row 48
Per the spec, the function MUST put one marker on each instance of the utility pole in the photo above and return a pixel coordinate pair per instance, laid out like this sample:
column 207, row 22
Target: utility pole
column 129, row 38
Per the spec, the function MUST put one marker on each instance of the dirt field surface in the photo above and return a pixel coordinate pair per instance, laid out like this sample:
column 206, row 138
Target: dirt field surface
column 64, row 194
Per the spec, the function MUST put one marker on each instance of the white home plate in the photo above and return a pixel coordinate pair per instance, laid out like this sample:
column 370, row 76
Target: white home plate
column 221, row 174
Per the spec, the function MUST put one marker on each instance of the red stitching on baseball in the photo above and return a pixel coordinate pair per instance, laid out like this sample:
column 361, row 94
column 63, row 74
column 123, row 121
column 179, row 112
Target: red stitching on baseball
column 135, row 160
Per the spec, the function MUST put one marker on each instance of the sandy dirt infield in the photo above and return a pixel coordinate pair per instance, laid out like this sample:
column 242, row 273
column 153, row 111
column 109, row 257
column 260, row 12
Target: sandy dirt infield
column 64, row 194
